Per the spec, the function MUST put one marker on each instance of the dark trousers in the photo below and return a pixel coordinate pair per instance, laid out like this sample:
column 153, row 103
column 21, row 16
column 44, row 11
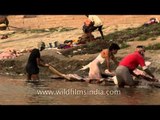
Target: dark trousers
column 89, row 29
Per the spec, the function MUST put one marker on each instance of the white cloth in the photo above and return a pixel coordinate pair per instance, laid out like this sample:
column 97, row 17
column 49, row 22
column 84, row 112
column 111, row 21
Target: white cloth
column 141, row 72
column 94, row 71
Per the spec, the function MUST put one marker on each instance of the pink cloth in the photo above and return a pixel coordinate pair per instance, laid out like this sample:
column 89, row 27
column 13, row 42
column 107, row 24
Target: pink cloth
column 141, row 72
column 7, row 55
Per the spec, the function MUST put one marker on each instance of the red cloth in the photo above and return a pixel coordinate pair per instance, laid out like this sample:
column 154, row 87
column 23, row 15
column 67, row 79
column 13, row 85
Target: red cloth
column 87, row 22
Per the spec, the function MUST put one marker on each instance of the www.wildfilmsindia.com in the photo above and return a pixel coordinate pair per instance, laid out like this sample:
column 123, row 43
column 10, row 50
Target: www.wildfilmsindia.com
column 72, row 91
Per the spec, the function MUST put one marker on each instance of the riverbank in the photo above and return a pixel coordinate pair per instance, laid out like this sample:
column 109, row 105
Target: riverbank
column 60, row 28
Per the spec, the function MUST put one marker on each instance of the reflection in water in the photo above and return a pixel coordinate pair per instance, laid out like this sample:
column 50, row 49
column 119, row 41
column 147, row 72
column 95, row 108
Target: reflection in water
column 59, row 92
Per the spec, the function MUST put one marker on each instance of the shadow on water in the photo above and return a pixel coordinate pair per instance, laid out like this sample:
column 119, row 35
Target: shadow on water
column 60, row 92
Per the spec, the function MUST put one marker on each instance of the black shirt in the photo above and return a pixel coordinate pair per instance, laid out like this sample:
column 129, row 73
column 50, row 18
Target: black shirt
column 32, row 67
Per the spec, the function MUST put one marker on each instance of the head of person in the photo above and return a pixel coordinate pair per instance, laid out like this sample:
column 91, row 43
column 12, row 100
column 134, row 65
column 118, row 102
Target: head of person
column 41, row 46
column 86, row 15
column 140, row 49
column 114, row 48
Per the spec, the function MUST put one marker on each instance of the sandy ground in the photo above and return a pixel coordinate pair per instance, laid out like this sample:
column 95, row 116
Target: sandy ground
column 19, row 40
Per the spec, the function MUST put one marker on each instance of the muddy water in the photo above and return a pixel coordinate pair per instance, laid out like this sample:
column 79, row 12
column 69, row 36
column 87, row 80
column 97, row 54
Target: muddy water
column 60, row 92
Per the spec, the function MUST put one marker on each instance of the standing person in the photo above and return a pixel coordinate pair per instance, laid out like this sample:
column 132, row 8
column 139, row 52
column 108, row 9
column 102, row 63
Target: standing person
column 33, row 61
column 105, row 55
column 128, row 64
column 4, row 22
column 96, row 24
column 87, row 29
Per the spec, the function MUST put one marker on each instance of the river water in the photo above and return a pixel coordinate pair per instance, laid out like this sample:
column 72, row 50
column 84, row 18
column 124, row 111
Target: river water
column 60, row 92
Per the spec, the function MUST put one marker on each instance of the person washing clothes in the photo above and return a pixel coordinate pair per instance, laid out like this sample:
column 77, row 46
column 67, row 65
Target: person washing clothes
column 34, row 61
column 128, row 64
column 105, row 55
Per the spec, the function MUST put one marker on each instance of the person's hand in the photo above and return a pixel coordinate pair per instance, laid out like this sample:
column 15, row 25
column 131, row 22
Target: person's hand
column 46, row 65
column 155, row 80
column 107, row 71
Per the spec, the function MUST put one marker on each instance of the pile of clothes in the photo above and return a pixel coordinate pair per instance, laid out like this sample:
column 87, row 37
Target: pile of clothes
column 9, row 54
column 151, row 21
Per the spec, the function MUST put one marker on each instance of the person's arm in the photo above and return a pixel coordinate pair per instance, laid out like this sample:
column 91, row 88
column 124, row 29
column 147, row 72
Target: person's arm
column 145, row 68
column 147, row 71
column 41, row 63
column 114, row 60
column 92, row 23
column 137, row 76
column 41, row 59
column 107, row 63
column 150, row 74
column 105, row 54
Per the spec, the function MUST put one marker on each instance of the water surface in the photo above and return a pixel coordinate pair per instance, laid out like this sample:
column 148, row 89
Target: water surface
column 60, row 92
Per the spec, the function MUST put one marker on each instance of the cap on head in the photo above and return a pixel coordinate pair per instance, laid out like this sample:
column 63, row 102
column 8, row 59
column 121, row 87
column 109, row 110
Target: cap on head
column 41, row 46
